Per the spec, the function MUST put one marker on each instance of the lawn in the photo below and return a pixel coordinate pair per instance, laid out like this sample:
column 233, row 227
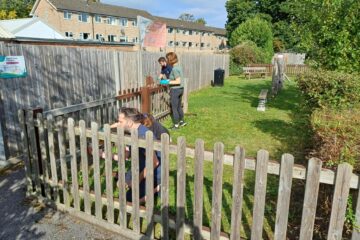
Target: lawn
column 228, row 114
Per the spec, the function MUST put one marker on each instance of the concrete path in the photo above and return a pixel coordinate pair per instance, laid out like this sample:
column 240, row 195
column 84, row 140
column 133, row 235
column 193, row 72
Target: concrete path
column 22, row 218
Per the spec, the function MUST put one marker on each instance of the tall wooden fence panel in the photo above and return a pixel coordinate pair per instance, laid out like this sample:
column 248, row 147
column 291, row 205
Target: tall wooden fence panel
column 61, row 76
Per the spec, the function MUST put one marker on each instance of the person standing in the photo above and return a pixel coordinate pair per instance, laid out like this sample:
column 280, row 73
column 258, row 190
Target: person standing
column 176, row 83
column 165, row 69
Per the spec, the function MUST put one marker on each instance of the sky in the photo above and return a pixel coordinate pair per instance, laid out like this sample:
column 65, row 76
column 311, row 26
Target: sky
column 213, row 11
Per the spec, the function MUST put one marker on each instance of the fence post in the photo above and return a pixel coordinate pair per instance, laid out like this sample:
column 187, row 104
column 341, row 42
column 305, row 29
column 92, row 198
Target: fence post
column 356, row 232
column 164, row 186
column 339, row 203
column 283, row 201
column 4, row 150
column 217, row 191
column 310, row 200
column 238, row 186
column 262, row 160
column 180, row 188
column 145, row 99
column 25, row 147
column 185, row 96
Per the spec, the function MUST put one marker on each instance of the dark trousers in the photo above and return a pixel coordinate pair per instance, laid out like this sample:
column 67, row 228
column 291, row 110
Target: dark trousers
column 175, row 99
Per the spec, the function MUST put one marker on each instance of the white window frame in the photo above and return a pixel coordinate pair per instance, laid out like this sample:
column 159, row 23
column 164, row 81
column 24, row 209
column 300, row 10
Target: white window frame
column 134, row 23
column 81, row 17
column 114, row 37
column 190, row 32
column 67, row 15
column 171, row 43
column 69, row 34
column 121, row 22
column 170, row 30
column 97, row 19
column 190, row 44
column 111, row 20
column 184, row 44
column 123, row 39
column 135, row 40
column 81, row 36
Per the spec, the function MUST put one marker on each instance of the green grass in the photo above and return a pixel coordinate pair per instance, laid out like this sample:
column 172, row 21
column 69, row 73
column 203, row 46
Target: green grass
column 228, row 114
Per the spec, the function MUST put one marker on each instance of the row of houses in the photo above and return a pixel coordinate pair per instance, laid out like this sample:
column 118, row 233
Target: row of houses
column 95, row 22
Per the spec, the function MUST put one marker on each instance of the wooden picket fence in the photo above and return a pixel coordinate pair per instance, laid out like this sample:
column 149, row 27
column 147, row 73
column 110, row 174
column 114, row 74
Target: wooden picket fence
column 55, row 150
column 290, row 69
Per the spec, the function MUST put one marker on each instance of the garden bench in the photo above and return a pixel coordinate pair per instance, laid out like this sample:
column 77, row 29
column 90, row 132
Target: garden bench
column 248, row 71
column 262, row 100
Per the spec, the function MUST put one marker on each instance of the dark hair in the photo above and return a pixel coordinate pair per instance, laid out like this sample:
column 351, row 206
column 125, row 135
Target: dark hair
column 162, row 59
column 132, row 113
column 171, row 58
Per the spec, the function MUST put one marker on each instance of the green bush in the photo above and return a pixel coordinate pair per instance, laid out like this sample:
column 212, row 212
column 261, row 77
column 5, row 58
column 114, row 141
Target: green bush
column 247, row 53
column 255, row 30
column 337, row 132
column 330, row 89
column 235, row 69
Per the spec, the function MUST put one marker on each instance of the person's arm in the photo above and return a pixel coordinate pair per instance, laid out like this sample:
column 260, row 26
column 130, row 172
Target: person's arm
column 177, row 77
column 115, row 125
column 142, row 175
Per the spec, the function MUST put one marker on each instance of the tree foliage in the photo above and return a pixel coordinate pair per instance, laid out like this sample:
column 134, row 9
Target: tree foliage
column 201, row 21
column 187, row 17
column 257, row 31
column 11, row 9
column 329, row 32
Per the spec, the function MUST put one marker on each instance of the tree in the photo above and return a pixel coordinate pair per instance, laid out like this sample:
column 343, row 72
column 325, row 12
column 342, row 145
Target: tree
column 255, row 30
column 187, row 17
column 15, row 8
column 201, row 21
column 329, row 32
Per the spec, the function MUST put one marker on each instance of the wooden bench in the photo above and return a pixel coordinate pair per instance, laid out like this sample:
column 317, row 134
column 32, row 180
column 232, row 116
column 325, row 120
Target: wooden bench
column 248, row 71
column 262, row 100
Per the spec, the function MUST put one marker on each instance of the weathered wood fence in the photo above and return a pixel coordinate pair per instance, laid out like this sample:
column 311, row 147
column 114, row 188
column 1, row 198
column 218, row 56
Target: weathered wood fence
column 290, row 69
column 63, row 76
column 59, row 169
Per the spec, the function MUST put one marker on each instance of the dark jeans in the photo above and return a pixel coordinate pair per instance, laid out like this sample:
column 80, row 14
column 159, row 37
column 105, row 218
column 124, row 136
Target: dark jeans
column 175, row 99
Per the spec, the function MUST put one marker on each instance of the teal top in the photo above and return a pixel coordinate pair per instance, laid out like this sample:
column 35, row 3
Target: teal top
column 175, row 73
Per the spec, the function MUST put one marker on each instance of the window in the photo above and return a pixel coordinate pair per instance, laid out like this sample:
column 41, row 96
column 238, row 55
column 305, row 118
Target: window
column 84, row 36
column 202, row 45
column 99, row 37
column 112, row 20
column 185, row 32
column 190, row 44
column 97, row 19
column 184, row 44
column 171, row 43
column 176, row 43
column 83, row 17
column 208, row 45
column 134, row 23
column 123, row 39
column 177, row 30
column 170, row 30
column 111, row 38
column 190, row 32
column 196, row 32
column 123, row 22
column 196, row 45
column 135, row 39
column 69, row 34
column 202, row 34
column 67, row 15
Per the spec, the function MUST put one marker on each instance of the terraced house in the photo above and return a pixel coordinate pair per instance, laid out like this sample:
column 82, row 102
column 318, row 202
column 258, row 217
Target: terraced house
column 95, row 21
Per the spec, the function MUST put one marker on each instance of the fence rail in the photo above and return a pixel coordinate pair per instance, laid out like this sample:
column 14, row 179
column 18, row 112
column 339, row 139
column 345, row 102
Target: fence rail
column 48, row 177
column 290, row 69
column 59, row 76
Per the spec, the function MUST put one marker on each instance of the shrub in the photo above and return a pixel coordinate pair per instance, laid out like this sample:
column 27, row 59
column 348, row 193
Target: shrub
column 255, row 30
column 337, row 132
column 246, row 53
column 330, row 89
